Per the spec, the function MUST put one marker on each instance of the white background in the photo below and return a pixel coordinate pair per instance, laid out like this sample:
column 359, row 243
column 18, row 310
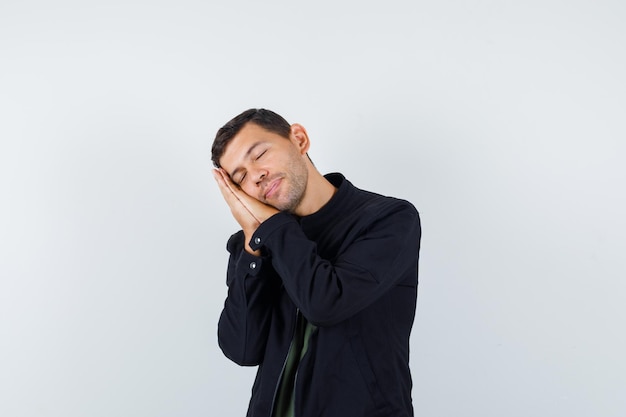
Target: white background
column 502, row 121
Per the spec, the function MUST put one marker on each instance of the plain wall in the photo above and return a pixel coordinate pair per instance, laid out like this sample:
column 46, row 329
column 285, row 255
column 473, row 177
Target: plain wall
column 503, row 122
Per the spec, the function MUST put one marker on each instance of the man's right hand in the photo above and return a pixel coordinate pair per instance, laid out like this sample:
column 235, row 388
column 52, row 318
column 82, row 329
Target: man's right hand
column 247, row 211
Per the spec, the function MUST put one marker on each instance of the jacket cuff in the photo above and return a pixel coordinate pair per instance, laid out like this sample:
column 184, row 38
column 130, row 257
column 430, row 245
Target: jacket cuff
column 245, row 262
column 268, row 227
column 249, row 264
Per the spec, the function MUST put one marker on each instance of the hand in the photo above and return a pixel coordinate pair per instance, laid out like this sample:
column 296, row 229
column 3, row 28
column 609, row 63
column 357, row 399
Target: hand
column 248, row 211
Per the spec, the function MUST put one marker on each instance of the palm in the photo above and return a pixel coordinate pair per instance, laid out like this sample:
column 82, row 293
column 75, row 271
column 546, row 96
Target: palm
column 248, row 211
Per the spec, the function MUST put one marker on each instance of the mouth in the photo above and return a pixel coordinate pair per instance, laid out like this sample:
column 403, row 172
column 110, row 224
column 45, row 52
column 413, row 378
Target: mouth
column 271, row 188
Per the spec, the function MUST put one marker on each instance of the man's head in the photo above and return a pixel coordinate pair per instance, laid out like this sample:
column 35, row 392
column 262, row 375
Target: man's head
column 266, row 119
column 265, row 156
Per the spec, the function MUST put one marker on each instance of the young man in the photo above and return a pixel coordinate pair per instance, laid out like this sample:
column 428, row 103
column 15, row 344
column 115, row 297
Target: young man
column 322, row 278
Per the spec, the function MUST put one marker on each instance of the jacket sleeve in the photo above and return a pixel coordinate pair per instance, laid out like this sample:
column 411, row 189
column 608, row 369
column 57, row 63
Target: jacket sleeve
column 380, row 254
column 244, row 322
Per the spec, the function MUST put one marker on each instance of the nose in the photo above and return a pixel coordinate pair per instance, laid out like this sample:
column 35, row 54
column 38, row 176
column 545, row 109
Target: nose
column 260, row 176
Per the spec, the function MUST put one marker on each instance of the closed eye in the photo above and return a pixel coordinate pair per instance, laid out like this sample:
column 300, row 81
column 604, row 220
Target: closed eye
column 243, row 176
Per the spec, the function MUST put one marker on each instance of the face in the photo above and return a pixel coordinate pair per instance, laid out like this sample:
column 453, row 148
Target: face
column 267, row 166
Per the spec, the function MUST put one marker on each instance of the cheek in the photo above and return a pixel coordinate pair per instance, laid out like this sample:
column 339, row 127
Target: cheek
column 249, row 189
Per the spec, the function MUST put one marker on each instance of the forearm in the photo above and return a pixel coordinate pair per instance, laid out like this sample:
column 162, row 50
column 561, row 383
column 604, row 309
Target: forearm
column 245, row 319
column 330, row 291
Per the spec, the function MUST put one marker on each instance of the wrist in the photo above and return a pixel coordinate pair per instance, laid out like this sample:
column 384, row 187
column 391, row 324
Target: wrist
column 247, row 238
column 251, row 251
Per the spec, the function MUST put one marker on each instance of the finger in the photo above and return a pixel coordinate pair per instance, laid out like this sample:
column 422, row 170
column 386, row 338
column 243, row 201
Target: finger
column 223, row 186
column 236, row 191
column 244, row 198
column 229, row 182
column 227, row 191
column 231, row 192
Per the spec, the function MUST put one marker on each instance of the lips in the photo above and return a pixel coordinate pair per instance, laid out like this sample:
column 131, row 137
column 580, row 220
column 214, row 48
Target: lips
column 271, row 188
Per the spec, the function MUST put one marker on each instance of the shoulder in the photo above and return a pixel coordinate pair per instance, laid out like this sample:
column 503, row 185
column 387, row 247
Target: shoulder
column 377, row 208
column 376, row 203
column 368, row 206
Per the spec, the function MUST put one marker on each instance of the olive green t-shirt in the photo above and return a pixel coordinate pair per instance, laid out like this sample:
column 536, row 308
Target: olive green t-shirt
column 285, row 398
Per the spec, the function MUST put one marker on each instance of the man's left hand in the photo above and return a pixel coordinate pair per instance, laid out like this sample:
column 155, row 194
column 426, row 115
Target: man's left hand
column 248, row 211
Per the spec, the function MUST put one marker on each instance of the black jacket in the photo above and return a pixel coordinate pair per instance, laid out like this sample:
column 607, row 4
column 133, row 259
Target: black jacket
column 351, row 270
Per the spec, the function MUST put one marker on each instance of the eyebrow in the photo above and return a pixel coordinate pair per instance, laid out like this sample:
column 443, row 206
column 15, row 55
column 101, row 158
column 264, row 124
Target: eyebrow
column 246, row 156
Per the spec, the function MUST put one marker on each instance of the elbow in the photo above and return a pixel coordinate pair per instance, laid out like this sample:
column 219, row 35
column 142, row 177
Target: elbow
column 236, row 352
column 323, row 317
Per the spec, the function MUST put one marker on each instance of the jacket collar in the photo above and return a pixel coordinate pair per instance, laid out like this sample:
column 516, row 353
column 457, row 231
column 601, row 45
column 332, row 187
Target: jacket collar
column 335, row 206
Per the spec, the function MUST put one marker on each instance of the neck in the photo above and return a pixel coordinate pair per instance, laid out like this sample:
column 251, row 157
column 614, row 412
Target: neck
column 318, row 192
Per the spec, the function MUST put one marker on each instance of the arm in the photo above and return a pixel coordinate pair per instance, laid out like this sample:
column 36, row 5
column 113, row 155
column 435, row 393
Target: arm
column 252, row 282
column 381, row 254
column 252, row 288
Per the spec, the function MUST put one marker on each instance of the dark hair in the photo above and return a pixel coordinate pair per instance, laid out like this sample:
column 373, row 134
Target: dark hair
column 266, row 119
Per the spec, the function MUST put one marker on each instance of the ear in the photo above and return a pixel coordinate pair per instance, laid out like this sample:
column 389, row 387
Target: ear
column 300, row 138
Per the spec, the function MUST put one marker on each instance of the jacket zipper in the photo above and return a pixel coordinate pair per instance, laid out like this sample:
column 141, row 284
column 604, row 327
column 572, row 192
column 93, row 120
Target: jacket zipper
column 282, row 371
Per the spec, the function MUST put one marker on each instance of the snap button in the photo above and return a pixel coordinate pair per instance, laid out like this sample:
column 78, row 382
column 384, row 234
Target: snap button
column 252, row 265
column 257, row 240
